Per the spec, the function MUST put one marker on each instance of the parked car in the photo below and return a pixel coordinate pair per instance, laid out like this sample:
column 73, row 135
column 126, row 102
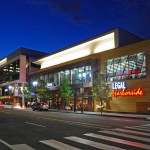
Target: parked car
column 40, row 106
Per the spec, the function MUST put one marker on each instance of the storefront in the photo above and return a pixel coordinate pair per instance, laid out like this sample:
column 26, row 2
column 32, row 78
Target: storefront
column 128, row 71
column 124, row 58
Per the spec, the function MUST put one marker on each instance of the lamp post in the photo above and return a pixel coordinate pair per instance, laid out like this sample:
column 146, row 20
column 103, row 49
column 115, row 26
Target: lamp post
column 23, row 102
column 75, row 100
column 35, row 83
column 82, row 77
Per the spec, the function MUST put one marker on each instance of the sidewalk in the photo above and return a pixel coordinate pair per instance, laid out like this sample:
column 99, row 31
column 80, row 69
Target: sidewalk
column 123, row 115
column 111, row 114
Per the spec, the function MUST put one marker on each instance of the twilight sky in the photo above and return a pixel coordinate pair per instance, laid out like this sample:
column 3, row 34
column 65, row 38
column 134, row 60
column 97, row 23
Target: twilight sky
column 50, row 25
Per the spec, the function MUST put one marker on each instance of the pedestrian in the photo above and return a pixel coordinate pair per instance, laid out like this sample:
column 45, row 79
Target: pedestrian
column 28, row 104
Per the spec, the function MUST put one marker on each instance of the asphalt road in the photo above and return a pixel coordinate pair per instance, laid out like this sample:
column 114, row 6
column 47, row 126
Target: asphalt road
column 40, row 130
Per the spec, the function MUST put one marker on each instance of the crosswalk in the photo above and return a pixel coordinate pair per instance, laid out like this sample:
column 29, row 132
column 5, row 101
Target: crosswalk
column 129, row 138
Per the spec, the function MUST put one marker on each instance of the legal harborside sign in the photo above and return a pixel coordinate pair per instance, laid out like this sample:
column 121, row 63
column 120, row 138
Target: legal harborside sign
column 119, row 89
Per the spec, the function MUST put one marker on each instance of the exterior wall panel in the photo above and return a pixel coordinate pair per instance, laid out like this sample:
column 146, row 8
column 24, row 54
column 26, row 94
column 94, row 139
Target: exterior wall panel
column 135, row 104
column 22, row 68
column 131, row 103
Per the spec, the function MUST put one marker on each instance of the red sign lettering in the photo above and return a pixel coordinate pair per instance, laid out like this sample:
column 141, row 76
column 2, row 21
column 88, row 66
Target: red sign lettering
column 124, row 92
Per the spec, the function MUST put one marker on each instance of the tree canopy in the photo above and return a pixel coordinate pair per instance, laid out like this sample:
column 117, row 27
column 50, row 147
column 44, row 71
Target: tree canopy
column 101, row 90
column 65, row 91
column 40, row 91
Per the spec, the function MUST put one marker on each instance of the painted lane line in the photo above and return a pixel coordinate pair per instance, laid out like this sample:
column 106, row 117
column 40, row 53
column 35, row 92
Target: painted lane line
column 17, row 146
column 66, row 121
column 92, row 143
column 58, row 145
column 126, row 135
column 36, row 124
column 129, row 131
column 120, row 141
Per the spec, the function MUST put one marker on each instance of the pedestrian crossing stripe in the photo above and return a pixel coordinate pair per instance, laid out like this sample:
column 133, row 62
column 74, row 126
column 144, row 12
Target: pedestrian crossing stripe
column 142, row 127
column 126, row 135
column 130, row 131
column 120, row 132
column 22, row 147
column 137, row 128
column 92, row 143
column 58, row 145
column 117, row 140
column 17, row 146
column 147, row 125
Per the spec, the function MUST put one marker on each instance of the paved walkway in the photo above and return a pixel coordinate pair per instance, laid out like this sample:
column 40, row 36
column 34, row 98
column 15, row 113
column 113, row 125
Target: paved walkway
column 124, row 115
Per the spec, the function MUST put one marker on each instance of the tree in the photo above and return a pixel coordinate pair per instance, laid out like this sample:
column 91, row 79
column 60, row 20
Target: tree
column 65, row 91
column 28, row 90
column 101, row 90
column 42, row 91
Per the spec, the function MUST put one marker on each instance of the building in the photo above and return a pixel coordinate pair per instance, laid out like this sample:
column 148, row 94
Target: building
column 14, row 72
column 122, row 55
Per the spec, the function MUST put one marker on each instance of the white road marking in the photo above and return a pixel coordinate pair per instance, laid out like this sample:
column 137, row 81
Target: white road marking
column 129, row 131
column 21, row 147
column 65, row 121
column 59, row 145
column 117, row 140
column 17, row 146
column 121, row 119
column 146, row 125
column 36, row 124
column 126, row 135
column 138, row 128
column 8, row 145
column 92, row 143
column 143, row 127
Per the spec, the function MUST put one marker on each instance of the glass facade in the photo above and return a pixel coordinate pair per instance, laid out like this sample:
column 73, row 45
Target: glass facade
column 126, row 67
column 10, row 72
column 72, row 75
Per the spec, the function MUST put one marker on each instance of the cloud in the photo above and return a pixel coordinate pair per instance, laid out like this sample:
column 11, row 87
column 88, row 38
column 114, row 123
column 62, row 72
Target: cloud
column 69, row 8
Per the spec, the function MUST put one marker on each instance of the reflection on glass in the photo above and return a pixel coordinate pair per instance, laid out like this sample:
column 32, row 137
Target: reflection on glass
column 126, row 67
column 72, row 75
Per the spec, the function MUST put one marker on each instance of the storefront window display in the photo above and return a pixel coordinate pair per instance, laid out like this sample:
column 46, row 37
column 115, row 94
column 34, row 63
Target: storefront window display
column 126, row 67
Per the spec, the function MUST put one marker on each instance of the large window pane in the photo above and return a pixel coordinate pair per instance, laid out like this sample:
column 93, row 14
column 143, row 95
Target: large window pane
column 110, row 70
column 67, row 75
column 74, row 74
column 126, row 67
column 56, row 79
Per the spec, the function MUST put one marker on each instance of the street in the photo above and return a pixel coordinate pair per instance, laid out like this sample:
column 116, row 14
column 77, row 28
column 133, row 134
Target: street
column 40, row 130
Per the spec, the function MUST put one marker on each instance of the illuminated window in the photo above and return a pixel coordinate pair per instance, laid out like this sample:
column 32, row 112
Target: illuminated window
column 72, row 75
column 10, row 72
column 126, row 67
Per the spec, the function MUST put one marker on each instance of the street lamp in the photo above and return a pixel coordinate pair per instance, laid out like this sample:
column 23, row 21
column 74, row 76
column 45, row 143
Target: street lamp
column 23, row 102
column 35, row 83
column 82, row 77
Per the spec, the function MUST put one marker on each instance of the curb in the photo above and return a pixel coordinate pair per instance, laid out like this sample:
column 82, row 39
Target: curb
column 106, row 115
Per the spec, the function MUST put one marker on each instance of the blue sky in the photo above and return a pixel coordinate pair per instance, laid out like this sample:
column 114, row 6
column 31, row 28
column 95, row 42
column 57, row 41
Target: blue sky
column 50, row 25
